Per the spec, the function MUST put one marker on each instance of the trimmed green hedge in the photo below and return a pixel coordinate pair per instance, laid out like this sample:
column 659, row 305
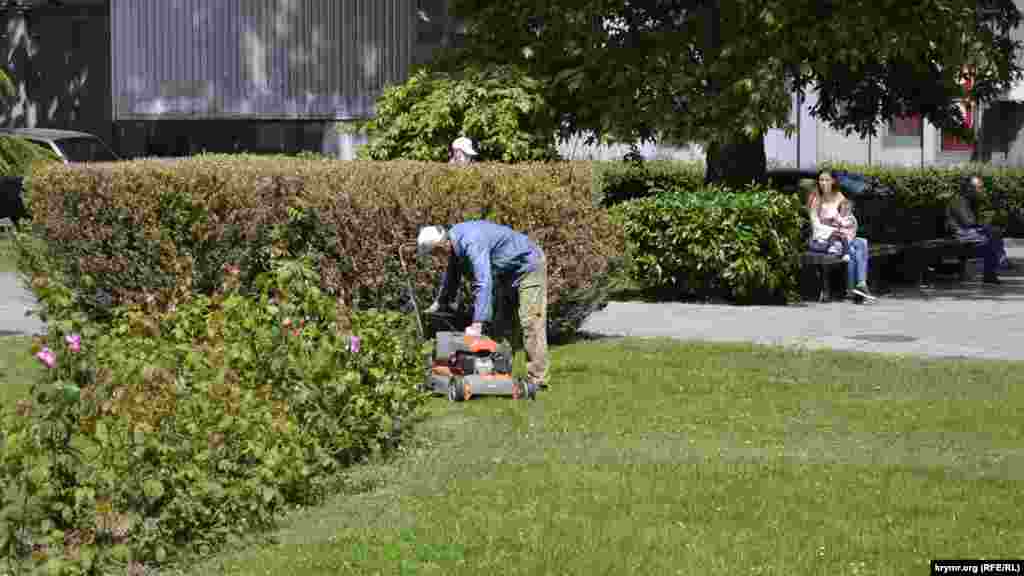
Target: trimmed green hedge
column 1002, row 204
column 913, row 187
column 713, row 242
column 702, row 242
column 167, row 230
column 616, row 182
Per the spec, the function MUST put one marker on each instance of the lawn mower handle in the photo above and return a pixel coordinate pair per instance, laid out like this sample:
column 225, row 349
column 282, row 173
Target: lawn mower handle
column 412, row 294
column 412, row 289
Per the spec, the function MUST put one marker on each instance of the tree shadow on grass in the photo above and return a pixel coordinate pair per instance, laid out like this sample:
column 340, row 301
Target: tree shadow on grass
column 580, row 336
column 636, row 294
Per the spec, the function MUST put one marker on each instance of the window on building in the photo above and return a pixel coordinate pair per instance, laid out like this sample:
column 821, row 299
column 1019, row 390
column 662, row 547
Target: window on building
column 904, row 131
column 951, row 143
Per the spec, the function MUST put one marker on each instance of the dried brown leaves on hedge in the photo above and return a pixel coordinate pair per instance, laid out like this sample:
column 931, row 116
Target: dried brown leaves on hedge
column 167, row 229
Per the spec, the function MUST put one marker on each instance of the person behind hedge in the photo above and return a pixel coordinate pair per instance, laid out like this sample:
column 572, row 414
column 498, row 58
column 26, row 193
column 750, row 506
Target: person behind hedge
column 962, row 223
column 461, row 151
column 834, row 231
column 508, row 269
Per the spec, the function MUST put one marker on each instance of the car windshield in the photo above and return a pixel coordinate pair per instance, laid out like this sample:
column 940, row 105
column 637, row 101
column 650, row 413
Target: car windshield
column 83, row 149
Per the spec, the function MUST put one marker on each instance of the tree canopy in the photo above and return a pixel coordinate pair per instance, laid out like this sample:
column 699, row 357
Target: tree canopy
column 498, row 107
column 722, row 72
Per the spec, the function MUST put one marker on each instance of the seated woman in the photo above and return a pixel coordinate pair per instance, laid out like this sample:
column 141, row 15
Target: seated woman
column 834, row 231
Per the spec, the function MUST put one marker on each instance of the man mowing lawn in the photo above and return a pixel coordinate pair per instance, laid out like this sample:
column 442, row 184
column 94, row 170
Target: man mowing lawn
column 507, row 267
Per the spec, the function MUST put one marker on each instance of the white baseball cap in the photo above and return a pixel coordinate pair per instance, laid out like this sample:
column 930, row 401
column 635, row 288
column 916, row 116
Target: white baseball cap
column 429, row 237
column 464, row 144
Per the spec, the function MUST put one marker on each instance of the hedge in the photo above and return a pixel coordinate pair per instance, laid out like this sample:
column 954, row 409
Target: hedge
column 17, row 155
column 616, row 182
column 716, row 243
column 912, row 187
column 164, row 229
column 1001, row 204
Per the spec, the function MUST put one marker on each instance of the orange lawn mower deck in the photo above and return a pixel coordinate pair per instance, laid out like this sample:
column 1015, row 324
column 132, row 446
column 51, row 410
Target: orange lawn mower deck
column 464, row 366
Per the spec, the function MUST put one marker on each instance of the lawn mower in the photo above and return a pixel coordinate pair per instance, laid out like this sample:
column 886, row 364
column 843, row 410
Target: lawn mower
column 463, row 366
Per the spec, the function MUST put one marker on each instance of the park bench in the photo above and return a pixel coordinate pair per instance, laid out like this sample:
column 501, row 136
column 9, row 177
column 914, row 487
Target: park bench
column 925, row 256
column 914, row 240
column 819, row 271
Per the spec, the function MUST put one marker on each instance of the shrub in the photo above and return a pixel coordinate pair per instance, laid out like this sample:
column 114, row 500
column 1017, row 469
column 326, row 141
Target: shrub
column 499, row 108
column 123, row 232
column 1002, row 203
column 716, row 243
column 177, row 431
column 617, row 182
column 17, row 156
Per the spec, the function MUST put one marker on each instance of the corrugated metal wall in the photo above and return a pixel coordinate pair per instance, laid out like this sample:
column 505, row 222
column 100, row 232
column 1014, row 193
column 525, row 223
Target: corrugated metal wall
column 257, row 58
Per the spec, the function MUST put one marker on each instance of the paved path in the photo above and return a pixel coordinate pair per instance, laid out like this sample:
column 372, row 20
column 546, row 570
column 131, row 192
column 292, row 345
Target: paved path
column 14, row 302
column 948, row 319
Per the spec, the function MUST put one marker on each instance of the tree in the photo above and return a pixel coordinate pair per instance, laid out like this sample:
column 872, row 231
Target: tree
column 6, row 86
column 499, row 108
column 722, row 72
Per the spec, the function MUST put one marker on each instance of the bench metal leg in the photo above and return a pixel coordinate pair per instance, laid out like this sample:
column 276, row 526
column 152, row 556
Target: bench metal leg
column 825, row 293
column 964, row 276
column 876, row 279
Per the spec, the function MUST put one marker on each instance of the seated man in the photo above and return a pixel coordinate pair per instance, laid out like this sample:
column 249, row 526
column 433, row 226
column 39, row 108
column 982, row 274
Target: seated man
column 962, row 223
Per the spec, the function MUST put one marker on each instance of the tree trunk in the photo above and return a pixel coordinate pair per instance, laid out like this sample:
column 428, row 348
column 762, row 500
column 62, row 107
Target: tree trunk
column 737, row 163
column 740, row 160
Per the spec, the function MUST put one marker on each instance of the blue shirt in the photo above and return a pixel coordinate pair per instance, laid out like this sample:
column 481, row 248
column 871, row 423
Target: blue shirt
column 490, row 252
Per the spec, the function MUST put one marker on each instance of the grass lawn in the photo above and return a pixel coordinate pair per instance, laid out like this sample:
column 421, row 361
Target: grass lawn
column 17, row 368
column 655, row 457
column 8, row 259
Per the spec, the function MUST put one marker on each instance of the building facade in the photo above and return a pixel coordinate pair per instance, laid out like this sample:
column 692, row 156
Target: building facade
column 177, row 77
column 898, row 142
column 998, row 128
column 58, row 58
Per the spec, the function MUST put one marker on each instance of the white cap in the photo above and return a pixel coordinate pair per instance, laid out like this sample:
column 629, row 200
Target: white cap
column 429, row 237
column 464, row 144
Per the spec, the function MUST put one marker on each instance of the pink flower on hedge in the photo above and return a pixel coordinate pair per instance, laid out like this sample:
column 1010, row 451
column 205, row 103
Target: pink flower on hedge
column 46, row 356
column 353, row 345
column 74, row 342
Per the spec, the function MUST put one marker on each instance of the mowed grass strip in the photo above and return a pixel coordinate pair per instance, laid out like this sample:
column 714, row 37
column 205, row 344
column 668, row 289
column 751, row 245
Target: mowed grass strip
column 18, row 369
column 659, row 457
column 8, row 254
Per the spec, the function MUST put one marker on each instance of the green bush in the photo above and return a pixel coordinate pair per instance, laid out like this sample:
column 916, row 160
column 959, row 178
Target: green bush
column 932, row 187
column 616, row 182
column 716, row 243
column 172, row 432
column 123, row 232
column 500, row 109
column 18, row 155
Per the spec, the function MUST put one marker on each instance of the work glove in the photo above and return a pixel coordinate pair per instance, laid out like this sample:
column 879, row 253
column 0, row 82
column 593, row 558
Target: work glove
column 436, row 307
